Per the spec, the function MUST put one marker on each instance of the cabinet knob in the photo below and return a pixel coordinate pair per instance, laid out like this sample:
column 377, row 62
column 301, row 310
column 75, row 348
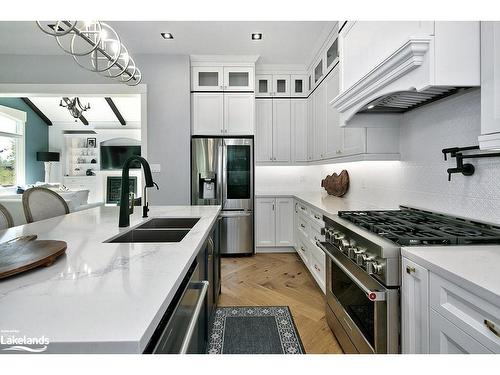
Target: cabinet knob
column 410, row 270
column 491, row 327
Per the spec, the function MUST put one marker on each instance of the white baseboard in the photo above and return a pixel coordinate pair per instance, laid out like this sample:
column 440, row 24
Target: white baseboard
column 285, row 249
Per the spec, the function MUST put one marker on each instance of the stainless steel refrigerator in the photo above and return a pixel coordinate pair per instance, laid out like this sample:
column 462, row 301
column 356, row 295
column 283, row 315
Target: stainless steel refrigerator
column 222, row 173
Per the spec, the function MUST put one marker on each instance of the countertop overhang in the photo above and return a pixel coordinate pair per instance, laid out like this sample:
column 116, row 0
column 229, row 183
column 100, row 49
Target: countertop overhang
column 99, row 297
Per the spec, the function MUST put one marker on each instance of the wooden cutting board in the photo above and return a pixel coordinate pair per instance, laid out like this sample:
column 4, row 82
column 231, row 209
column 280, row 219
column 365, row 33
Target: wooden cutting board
column 25, row 253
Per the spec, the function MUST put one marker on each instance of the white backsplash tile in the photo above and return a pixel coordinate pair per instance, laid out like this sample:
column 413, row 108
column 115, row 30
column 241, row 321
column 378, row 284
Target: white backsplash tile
column 420, row 178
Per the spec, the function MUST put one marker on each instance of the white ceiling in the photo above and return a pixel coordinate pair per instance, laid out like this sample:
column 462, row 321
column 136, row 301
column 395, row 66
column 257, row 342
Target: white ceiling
column 284, row 42
column 99, row 112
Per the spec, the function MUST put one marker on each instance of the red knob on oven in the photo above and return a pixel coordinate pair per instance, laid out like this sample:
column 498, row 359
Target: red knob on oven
column 372, row 296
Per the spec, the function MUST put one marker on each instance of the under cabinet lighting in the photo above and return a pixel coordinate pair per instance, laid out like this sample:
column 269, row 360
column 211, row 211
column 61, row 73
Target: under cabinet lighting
column 371, row 106
column 256, row 36
column 167, row 36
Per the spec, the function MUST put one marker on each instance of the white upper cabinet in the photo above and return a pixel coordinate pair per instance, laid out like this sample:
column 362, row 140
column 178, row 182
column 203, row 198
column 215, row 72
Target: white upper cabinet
column 281, row 130
column 222, row 78
column 237, row 78
column 319, row 122
column 207, row 113
column 239, row 113
column 299, row 130
column 264, row 84
column 333, row 129
column 298, row 85
column 273, row 130
column 310, row 128
column 281, row 85
column 490, row 86
column 319, row 71
column 263, row 130
column 207, row 78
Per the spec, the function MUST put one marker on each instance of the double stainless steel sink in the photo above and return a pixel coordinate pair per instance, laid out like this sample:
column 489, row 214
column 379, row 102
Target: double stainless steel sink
column 160, row 229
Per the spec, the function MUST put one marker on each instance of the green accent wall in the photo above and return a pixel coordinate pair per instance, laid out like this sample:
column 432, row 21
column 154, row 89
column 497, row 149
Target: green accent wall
column 36, row 139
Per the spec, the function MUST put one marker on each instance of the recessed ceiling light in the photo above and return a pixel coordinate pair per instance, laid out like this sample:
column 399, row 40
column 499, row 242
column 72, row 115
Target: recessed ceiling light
column 256, row 36
column 167, row 36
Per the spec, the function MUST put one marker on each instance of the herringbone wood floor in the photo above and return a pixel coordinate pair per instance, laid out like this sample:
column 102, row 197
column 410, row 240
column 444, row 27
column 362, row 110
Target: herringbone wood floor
column 280, row 279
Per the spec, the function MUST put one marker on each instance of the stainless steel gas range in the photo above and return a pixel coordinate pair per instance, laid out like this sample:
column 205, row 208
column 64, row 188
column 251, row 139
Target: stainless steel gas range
column 363, row 271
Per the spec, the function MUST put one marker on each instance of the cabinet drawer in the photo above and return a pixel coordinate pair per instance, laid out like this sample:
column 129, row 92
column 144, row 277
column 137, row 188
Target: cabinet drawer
column 467, row 311
column 303, row 226
column 317, row 217
column 303, row 208
column 447, row 338
column 317, row 268
column 315, row 233
column 318, row 255
column 303, row 250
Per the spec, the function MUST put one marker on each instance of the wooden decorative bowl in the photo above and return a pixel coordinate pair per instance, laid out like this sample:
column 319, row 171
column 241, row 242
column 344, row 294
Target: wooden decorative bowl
column 335, row 184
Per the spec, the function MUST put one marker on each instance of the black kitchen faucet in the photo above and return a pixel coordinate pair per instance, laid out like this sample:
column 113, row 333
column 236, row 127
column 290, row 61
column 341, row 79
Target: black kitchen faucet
column 125, row 209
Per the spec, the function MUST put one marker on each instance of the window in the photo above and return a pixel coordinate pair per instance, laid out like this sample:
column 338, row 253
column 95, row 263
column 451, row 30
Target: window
column 11, row 146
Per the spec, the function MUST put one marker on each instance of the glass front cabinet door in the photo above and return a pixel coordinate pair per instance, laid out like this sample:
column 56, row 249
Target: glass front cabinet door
column 206, row 78
column 298, row 85
column 281, row 85
column 264, row 84
column 238, row 78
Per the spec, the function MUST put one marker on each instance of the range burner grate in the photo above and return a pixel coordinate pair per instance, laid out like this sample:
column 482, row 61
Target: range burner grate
column 409, row 227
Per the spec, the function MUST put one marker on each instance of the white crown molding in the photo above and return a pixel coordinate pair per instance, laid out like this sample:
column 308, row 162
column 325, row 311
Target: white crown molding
column 406, row 58
column 250, row 59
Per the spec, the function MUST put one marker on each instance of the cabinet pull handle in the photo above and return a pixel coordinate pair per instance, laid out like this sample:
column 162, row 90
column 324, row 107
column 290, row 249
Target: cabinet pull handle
column 409, row 270
column 302, row 208
column 317, row 217
column 273, row 206
column 491, row 327
column 303, row 226
column 302, row 248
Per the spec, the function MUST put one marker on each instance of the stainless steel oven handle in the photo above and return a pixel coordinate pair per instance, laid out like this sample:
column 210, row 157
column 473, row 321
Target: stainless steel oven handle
column 373, row 295
column 192, row 323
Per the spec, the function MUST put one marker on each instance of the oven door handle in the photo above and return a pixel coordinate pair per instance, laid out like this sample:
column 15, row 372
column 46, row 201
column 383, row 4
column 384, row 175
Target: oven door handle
column 373, row 295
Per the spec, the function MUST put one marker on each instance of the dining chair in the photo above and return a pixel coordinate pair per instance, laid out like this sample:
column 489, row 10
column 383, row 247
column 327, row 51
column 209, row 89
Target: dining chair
column 6, row 220
column 41, row 203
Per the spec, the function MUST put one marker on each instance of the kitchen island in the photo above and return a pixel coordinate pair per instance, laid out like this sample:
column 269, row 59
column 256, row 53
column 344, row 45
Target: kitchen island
column 99, row 297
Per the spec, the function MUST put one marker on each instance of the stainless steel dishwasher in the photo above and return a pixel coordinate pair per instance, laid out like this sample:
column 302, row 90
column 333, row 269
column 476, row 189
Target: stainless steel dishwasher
column 184, row 327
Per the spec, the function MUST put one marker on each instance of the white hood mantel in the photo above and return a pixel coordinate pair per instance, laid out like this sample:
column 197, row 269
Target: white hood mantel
column 413, row 75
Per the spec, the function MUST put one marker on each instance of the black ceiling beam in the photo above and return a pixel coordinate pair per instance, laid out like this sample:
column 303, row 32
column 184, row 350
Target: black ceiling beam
column 35, row 109
column 115, row 110
column 81, row 118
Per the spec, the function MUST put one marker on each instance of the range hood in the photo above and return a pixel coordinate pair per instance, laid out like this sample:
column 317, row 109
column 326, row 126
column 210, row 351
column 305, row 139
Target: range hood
column 417, row 73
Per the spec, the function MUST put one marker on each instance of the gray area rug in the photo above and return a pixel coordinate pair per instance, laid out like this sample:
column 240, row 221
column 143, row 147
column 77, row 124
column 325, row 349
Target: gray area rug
column 254, row 330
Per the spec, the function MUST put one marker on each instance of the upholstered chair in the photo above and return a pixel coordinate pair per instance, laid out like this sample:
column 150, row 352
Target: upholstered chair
column 6, row 220
column 41, row 203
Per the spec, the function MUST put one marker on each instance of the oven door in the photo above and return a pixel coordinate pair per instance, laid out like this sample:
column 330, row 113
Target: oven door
column 363, row 313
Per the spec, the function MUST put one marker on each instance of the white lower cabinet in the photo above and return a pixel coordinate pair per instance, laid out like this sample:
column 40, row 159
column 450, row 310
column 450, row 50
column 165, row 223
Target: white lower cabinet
column 441, row 317
column 265, row 222
column 308, row 227
column 274, row 222
column 446, row 338
column 415, row 308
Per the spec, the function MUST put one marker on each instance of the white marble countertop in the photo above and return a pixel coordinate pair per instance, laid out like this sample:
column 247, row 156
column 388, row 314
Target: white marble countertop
column 100, row 297
column 327, row 204
column 473, row 267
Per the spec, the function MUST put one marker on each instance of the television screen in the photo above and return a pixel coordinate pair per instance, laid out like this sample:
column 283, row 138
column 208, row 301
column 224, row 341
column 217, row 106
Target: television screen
column 113, row 157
